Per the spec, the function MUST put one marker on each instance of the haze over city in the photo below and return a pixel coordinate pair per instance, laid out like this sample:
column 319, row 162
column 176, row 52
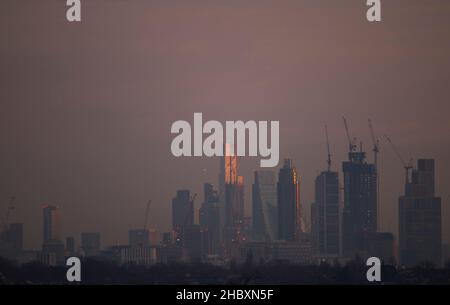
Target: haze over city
column 87, row 108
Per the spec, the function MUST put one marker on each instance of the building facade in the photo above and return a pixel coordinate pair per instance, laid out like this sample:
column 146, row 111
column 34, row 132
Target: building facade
column 209, row 219
column 182, row 210
column 264, row 206
column 420, row 232
column 288, row 203
column 51, row 223
column 325, row 214
column 360, row 203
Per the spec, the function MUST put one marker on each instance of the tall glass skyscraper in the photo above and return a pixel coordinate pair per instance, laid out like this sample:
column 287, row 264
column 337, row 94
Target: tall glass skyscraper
column 264, row 206
column 420, row 234
column 52, row 247
column 288, row 194
column 360, row 203
column 325, row 226
column 182, row 210
column 51, row 223
column 209, row 219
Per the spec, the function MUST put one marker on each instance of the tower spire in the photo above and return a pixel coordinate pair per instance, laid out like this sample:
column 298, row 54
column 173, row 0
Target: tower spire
column 328, row 149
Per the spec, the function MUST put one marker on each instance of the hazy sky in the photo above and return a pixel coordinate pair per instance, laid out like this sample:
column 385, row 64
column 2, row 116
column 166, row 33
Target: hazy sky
column 86, row 108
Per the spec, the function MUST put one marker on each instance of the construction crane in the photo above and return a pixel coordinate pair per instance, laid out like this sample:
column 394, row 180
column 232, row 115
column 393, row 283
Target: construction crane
column 8, row 213
column 406, row 166
column 328, row 149
column 351, row 144
column 376, row 145
column 147, row 209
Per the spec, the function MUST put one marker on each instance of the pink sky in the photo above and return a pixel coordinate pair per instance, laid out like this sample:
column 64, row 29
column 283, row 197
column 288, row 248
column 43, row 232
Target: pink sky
column 87, row 108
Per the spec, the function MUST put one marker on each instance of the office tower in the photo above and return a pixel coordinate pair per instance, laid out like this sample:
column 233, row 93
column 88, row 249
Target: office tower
column 264, row 205
column 182, row 210
column 288, row 200
column 209, row 219
column 52, row 247
column 420, row 218
column 231, row 199
column 234, row 214
column 70, row 246
column 360, row 203
column 234, row 202
column 51, row 223
column 227, row 179
column 325, row 215
column 90, row 243
column 238, row 202
column 228, row 168
column 138, row 238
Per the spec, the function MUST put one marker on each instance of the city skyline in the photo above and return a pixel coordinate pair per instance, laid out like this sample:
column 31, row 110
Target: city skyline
column 223, row 234
column 97, row 145
column 419, row 210
column 190, row 196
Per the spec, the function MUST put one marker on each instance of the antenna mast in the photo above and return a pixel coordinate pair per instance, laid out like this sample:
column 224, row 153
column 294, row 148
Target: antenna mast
column 328, row 149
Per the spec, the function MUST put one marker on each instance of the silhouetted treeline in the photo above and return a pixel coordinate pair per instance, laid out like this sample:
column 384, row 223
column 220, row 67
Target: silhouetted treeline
column 95, row 271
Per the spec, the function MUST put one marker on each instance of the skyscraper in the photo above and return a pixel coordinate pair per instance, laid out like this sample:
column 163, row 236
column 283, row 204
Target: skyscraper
column 52, row 247
column 325, row 226
column 227, row 179
column 264, row 205
column 288, row 200
column 51, row 223
column 360, row 203
column 182, row 210
column 228, row 168
column 231, row 199
column 420, row 218
column 210, row 219
column 234, row 202
column 234, row 213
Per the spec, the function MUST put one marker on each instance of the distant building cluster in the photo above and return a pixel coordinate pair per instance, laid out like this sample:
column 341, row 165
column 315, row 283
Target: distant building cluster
column 343, row 222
